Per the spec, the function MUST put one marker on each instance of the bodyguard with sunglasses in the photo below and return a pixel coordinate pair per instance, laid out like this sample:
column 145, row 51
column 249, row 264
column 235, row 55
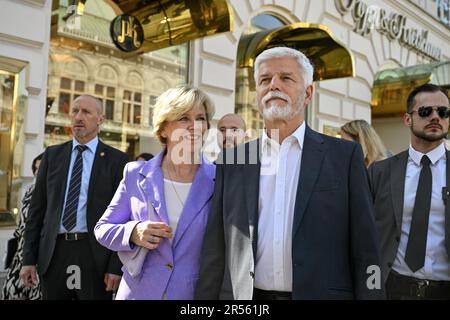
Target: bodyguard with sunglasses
column 411, row 198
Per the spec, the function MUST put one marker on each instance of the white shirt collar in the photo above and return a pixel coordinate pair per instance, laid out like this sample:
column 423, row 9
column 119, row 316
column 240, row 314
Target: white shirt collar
column 92, row 145
column 434, row 155
column 298, row 134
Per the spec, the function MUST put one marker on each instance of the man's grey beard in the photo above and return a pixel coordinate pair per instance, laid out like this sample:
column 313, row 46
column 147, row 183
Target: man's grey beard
column 275, row 112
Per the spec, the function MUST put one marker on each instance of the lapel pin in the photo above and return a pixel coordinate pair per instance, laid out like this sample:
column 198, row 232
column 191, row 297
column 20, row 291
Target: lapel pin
column 102, row 154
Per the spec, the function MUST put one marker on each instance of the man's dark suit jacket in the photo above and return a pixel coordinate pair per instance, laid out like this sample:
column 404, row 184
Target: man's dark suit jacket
column 44, row 214
column 333, row 240
column 387, row 184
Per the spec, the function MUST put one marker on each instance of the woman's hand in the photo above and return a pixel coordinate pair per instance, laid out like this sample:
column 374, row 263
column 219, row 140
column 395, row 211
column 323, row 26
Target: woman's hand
column 149, row 234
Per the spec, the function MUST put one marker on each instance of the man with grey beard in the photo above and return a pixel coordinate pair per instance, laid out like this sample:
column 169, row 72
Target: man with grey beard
column 411, row 196
column 297, row 223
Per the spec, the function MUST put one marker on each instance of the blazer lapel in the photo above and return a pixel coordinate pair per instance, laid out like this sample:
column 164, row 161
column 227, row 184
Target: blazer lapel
column 200, row 193
column 251, row 187
column 152, row 185
column 100, row 160
column 313, row 152
column 398, row 174
column 64, row 162
column 447, row 205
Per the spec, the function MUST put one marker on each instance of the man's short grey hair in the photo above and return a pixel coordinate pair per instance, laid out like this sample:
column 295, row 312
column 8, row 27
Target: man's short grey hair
column 98, row 102
column 306, row 68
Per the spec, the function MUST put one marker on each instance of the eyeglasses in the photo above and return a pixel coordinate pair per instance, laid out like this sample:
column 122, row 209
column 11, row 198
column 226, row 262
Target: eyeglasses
column 426, row 111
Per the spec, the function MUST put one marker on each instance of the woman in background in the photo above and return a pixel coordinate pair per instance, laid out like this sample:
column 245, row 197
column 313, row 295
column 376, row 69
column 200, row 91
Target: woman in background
column 361, row 132
column 13, row 288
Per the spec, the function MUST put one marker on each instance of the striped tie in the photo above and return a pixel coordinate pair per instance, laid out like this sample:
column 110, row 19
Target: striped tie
column 70, row 210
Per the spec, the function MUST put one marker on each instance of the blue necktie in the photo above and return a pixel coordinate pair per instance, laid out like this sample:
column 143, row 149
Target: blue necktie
column 70, row 210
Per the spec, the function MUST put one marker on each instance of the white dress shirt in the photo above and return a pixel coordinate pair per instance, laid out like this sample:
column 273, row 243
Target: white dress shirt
column 88, row 161
column 437, row 262
column 280, row 169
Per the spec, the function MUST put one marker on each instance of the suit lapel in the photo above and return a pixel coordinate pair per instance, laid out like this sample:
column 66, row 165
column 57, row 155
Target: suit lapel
column 251, row 187
column 152, row 185
column 313, row 152
column 200, row 193
column 100, row 160
column 447, row 206
column 63, row 171
column 397, row 176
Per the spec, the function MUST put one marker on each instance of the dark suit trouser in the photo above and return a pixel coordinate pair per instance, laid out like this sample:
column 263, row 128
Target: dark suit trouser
column 72, row 273
column 399, row 287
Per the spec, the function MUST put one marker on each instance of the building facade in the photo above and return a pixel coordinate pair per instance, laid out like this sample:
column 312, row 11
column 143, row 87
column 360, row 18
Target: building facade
column 379, row 35
column 24, row 51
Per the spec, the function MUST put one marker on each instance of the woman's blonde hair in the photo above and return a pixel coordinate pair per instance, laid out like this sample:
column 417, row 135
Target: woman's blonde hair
column 367, row 137
column 172, row 104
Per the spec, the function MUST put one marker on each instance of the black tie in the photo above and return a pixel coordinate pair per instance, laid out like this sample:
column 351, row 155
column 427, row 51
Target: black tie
column 70, row 210
column 417, row 240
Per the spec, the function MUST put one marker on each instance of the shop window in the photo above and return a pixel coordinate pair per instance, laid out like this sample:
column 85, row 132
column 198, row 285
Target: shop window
column 150, row 116
column 127, row 87
column 107, row 96
column 13, row 101
column 132, row 102
column 153, row 100
column 69, row 91
column 109, row 109
column 65, row 83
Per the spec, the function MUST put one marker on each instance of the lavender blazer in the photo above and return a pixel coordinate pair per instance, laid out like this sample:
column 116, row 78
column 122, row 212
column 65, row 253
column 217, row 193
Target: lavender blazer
column 173, row 267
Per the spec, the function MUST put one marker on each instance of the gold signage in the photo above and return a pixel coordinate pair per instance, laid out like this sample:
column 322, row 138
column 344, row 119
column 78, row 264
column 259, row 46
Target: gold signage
column 129, row 30
column 127, row 33
column 368, row 18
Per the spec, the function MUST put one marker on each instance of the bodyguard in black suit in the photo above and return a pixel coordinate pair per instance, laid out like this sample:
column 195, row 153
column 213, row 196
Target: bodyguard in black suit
column 75, row 184
column 292, row 217
column 411, row 197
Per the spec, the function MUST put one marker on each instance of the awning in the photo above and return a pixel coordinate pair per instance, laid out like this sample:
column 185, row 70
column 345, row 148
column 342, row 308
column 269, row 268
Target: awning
column 330, row 58
column 170, row 22
column 391, row 87
column 158, row 24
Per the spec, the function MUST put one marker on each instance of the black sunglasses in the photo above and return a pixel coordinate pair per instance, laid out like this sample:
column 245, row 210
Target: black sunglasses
column 426, row 111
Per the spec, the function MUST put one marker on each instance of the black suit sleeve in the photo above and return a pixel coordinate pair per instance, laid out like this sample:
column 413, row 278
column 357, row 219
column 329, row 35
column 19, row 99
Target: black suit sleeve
column 114, row 263
column 371, row 182
column 212, row 264
column 363, row 241
column 36, row 213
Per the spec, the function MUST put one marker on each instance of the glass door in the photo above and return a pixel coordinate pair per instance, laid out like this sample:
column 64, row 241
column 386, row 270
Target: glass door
column 13, row 99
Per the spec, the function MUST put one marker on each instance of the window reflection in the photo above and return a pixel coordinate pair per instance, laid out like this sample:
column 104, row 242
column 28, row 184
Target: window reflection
column 245, row 98
column 128, row 88
column 13, row 100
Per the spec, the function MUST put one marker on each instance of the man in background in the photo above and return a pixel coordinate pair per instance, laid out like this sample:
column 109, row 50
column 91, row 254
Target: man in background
column 411, row 198
column 232, row 131
column 75, row 184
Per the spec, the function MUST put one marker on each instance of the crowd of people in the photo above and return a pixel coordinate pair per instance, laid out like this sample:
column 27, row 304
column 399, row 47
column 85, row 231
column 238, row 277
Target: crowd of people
column 294, row 214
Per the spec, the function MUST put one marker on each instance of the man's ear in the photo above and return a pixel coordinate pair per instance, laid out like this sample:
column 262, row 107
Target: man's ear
column 309, row 94
column 101, row 118
column 407, row 120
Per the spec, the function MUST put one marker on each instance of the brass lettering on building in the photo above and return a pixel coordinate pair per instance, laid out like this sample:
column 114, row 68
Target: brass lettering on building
column 368, row 18
column 129, row 30
column 127, row 33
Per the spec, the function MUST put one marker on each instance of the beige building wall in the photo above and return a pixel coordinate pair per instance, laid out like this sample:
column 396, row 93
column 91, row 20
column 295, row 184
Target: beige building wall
column 24, row 45
column 213, row 59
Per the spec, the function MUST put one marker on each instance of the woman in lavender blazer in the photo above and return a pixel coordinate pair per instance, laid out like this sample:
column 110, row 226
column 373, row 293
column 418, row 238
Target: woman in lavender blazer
column 157, row 218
